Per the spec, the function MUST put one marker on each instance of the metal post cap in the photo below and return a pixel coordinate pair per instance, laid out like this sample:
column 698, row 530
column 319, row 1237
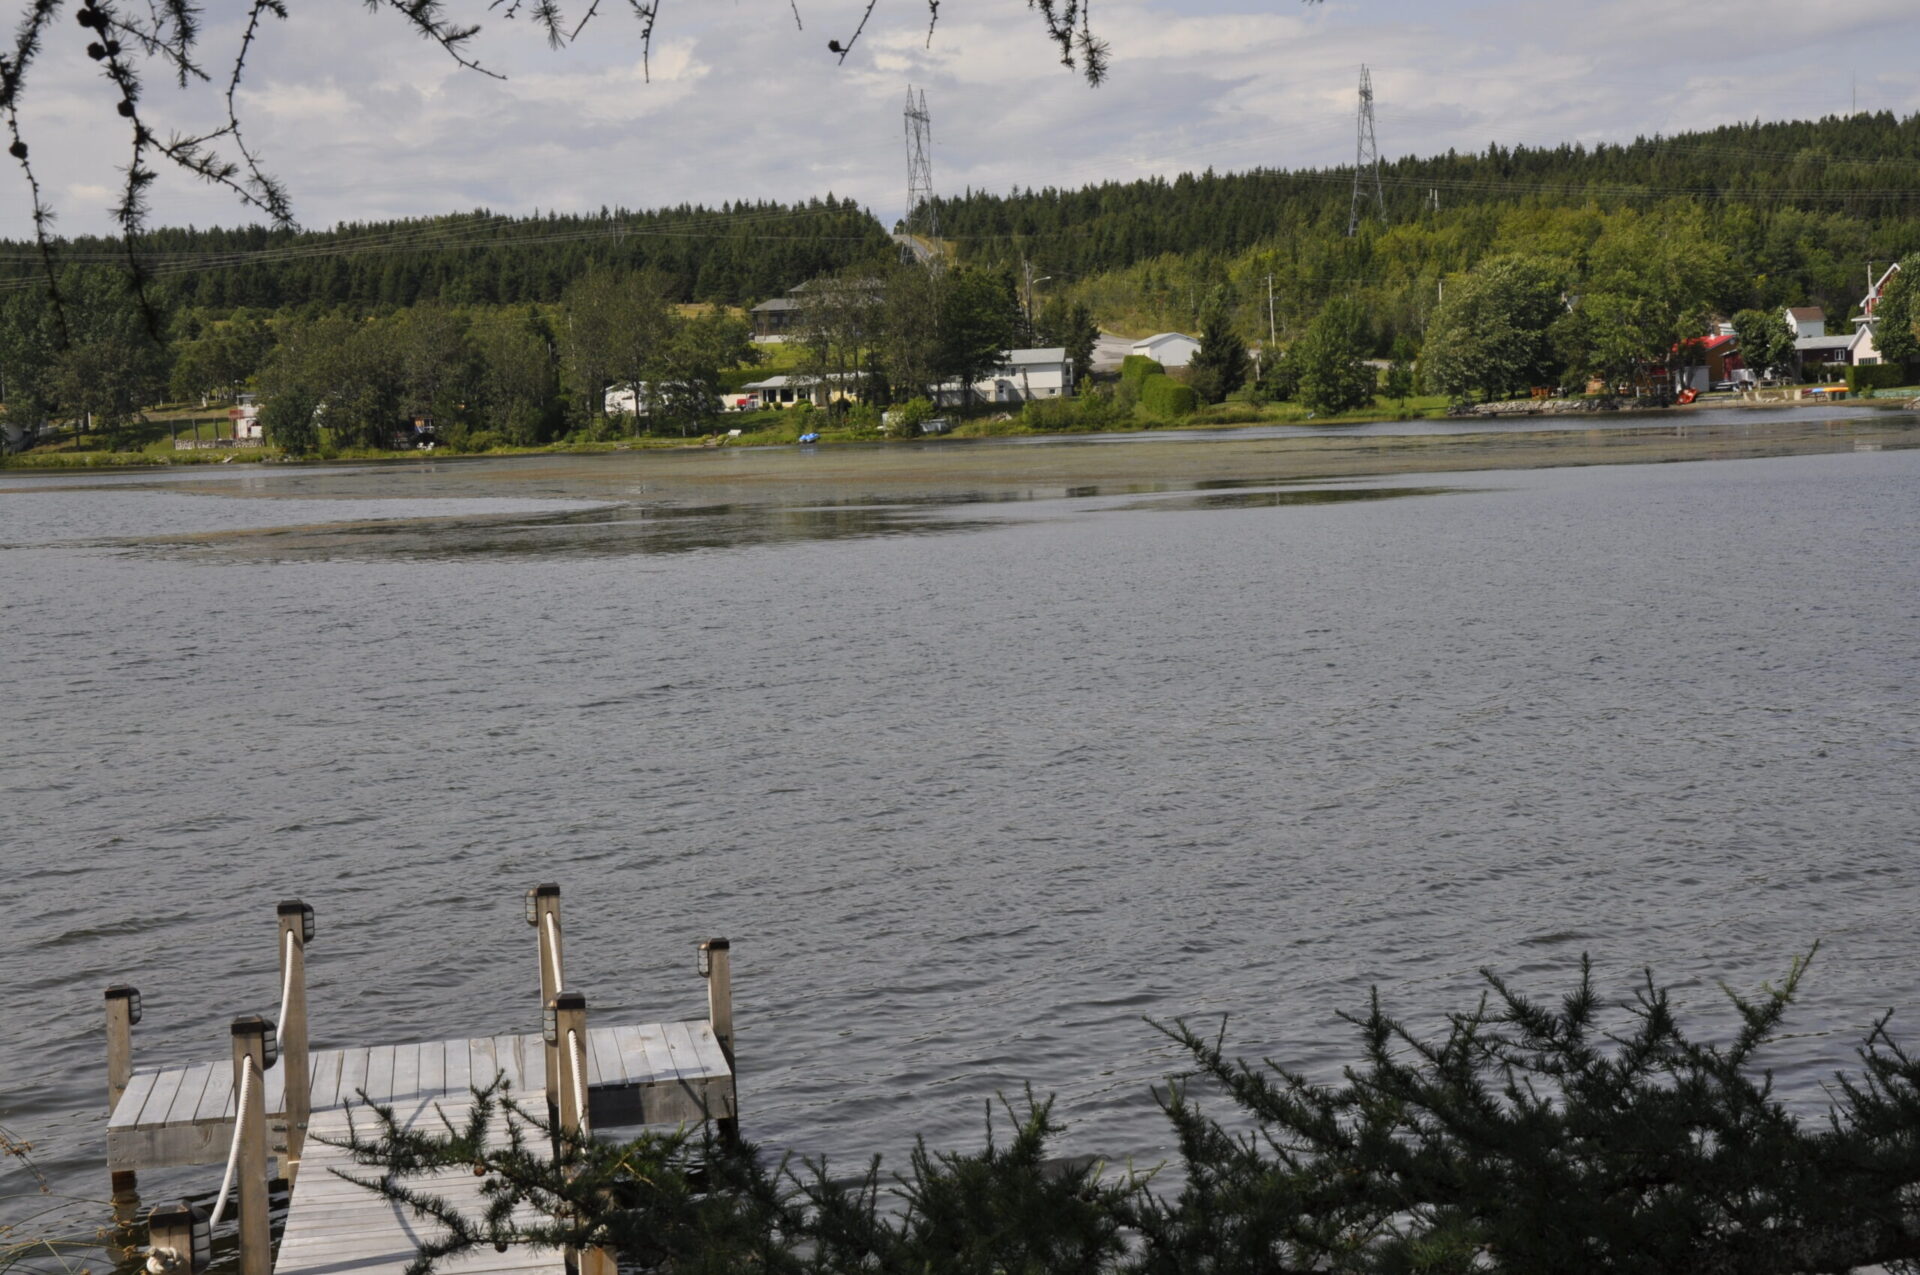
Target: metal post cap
column 718, row 945
column 251, row 1025
column 569, row 1000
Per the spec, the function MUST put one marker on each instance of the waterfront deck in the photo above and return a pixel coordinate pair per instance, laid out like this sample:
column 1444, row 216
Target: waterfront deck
column 335, row 1227
column 650, row 1073
column 276, row 1095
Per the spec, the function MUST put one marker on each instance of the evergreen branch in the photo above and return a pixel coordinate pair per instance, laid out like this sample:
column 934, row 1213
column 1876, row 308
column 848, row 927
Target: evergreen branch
column 428, row 19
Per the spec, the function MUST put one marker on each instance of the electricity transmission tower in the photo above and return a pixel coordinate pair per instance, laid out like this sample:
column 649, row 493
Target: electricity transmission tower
column 921, row 216
column 1366, row 153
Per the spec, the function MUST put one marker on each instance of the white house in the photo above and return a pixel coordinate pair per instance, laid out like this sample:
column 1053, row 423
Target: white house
column 785, row 391
column 1806, row 321
column 1168, row 349
column 246, row 417
column 1023, row 374
column 1864, row 349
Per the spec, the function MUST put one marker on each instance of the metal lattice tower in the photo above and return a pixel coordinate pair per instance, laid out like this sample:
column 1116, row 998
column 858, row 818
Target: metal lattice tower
column 1366, row 153
column 921, row 218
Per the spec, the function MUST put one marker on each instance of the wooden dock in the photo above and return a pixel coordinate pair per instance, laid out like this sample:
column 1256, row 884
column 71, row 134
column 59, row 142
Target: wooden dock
column 652, row 1073
column 335, row 1227
column 596, row 1077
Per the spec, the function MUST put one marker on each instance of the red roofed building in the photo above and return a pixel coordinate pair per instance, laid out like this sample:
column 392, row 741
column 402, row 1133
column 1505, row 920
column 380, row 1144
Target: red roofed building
column 1702, row 362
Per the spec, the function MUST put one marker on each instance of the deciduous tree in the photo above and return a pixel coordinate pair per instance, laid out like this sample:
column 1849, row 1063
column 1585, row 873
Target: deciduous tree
column 1766, row 342
column 1330, row 357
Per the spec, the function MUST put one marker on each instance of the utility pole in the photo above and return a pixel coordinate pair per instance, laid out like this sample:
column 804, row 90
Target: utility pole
column 1366, row 151
column 1026, row 268
column 1273, row 334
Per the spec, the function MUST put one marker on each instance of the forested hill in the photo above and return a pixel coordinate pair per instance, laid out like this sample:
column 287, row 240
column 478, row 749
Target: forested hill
column 1864, row 166
column 735, row 253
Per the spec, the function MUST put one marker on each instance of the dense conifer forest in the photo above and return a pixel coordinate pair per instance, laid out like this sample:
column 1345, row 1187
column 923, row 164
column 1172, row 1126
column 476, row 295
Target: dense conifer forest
column 1801, row 207
column 738, row 252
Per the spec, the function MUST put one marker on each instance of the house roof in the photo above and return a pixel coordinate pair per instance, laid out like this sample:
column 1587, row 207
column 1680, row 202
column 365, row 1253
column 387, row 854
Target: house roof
column 778, row 303
column 798, row 382
column 1028, row 358
column 1159, row 337
column 1823, row 342
column 1809, row 313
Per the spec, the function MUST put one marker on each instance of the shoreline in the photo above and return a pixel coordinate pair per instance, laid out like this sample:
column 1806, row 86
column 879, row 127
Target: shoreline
column 147, row 462
column 1030, row 467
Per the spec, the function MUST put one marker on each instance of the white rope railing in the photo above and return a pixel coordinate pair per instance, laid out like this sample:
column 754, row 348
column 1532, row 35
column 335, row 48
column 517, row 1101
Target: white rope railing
column 286, row 989
column 579, row 1078
column 239, row 1127
column 553, row 952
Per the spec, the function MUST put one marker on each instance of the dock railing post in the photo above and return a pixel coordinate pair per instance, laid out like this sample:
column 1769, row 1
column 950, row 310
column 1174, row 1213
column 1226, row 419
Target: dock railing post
column 543, row 914
column 253, row 1049
column 296, row 931
column 716, row 963
column 565, row 1028
column 123, row 1011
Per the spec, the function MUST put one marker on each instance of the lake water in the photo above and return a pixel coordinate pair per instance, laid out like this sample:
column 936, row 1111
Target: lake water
column 974, row 781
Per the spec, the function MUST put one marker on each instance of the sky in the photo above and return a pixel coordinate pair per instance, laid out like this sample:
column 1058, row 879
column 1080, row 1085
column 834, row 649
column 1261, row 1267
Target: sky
column 364, row 121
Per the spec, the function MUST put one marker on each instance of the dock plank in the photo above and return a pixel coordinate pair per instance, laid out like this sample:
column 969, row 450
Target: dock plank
column 335, row 1228
column 660, row 1067
column 432, row 1074
column 353, row 1075
column 324, row 1082
column 406, row 1071
column 205, row 1094
column 484, row 1059
column 127, row 1110
column 603, row 1058
column 380, row 1072
column 459, row 1070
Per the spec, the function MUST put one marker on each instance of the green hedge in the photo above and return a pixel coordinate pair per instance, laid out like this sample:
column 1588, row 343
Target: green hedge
column 1138, row 367
column 1161, row 395
column 1876, row 376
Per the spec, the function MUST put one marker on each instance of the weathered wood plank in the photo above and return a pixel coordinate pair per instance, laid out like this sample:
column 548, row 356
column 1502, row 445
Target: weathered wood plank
column 205, row 1094
column 166, row 1088
column 713, row 1059
column 484, row 1059
column 633, row 1055
column 326, row 1078
column 603, row 1058
column 653, row 1040
column 432, row 1077
column 380, row 1073
column 459, row 1070
column 686, row 1058
column 127, row 1110
column 353, row 1076
column 406, row 1071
